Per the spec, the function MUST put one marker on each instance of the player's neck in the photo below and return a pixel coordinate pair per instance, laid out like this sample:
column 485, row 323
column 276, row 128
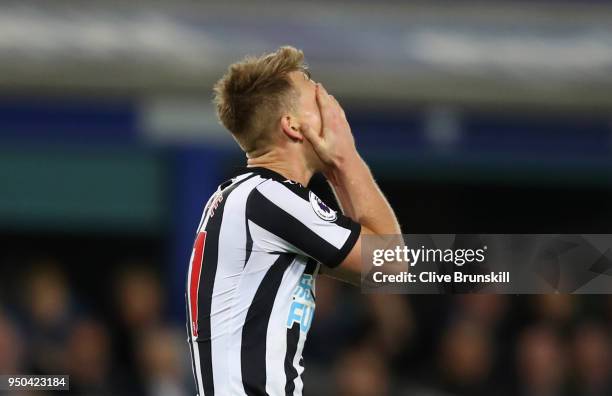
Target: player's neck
column 290, row 166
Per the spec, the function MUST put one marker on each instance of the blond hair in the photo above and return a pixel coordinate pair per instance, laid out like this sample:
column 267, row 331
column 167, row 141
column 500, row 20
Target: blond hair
column 252, row 95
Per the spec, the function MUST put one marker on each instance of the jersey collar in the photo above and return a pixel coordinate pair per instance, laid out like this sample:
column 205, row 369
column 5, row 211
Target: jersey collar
column 269, row 174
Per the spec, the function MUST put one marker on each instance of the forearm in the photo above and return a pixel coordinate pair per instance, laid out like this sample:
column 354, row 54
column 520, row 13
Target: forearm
column 353, row 184
column 360, row 197
column 362, row 200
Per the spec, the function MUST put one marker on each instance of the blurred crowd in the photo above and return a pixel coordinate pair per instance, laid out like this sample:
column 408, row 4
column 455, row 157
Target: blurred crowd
column 134, row 351
column 359, row 345
column 471, row 344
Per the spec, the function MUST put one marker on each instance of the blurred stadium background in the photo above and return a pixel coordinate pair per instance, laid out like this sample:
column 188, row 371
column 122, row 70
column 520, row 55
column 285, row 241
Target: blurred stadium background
column 475, row 117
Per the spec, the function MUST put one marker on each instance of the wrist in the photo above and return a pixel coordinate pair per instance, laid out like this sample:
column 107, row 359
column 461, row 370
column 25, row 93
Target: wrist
column 345, row 160
column 344, row 166
column 349, row 162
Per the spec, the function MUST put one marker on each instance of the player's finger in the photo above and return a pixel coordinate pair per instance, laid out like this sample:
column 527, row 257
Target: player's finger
column 337, row 107
column 332, row 108
column 320, row 96
column 336, row 103
column 322, row 90
column 323, row 100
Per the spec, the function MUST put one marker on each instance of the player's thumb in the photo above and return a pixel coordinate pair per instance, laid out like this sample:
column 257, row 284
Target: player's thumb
column 311, row 135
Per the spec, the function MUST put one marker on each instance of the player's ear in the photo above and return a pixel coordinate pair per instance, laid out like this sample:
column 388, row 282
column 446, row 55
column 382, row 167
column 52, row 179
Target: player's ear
column 291, row 128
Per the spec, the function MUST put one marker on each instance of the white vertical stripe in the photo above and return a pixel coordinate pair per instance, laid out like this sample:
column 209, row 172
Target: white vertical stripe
column 254, row 272
column 200, row 383
column 193, row 368
column 195, row 348
column 299, row 384
column 230, row 264
column 190, row 319
column 204, row 221
column 302, row 210
column 276, row 337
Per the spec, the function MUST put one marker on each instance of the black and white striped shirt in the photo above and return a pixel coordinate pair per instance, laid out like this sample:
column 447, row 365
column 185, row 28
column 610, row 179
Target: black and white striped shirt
column 250, row 286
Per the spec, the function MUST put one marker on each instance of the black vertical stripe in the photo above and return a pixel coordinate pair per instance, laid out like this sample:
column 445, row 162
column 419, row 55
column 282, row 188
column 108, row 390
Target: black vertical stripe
column 311, row 266
column 249, row 240
column 293, row 337
column 253, row 348
column 207, row 279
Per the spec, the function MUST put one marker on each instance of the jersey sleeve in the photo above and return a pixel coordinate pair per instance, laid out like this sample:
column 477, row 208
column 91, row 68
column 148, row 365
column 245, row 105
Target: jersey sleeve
column 287, row 217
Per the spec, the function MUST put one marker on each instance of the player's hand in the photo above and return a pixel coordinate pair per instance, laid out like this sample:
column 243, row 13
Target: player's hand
column 335, row 143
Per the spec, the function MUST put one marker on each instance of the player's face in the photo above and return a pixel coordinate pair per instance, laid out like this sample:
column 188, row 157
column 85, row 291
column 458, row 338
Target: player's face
column 307, row 109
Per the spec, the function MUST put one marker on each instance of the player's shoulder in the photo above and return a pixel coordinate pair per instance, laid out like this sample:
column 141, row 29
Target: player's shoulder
column 276, row 185
column 293, row 196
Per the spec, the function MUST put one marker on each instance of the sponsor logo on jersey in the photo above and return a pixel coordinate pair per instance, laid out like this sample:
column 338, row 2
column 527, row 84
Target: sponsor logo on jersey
column 303, row 305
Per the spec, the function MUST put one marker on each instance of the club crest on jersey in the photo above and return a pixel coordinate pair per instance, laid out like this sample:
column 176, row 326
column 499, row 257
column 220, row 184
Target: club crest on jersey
column 322, row 210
